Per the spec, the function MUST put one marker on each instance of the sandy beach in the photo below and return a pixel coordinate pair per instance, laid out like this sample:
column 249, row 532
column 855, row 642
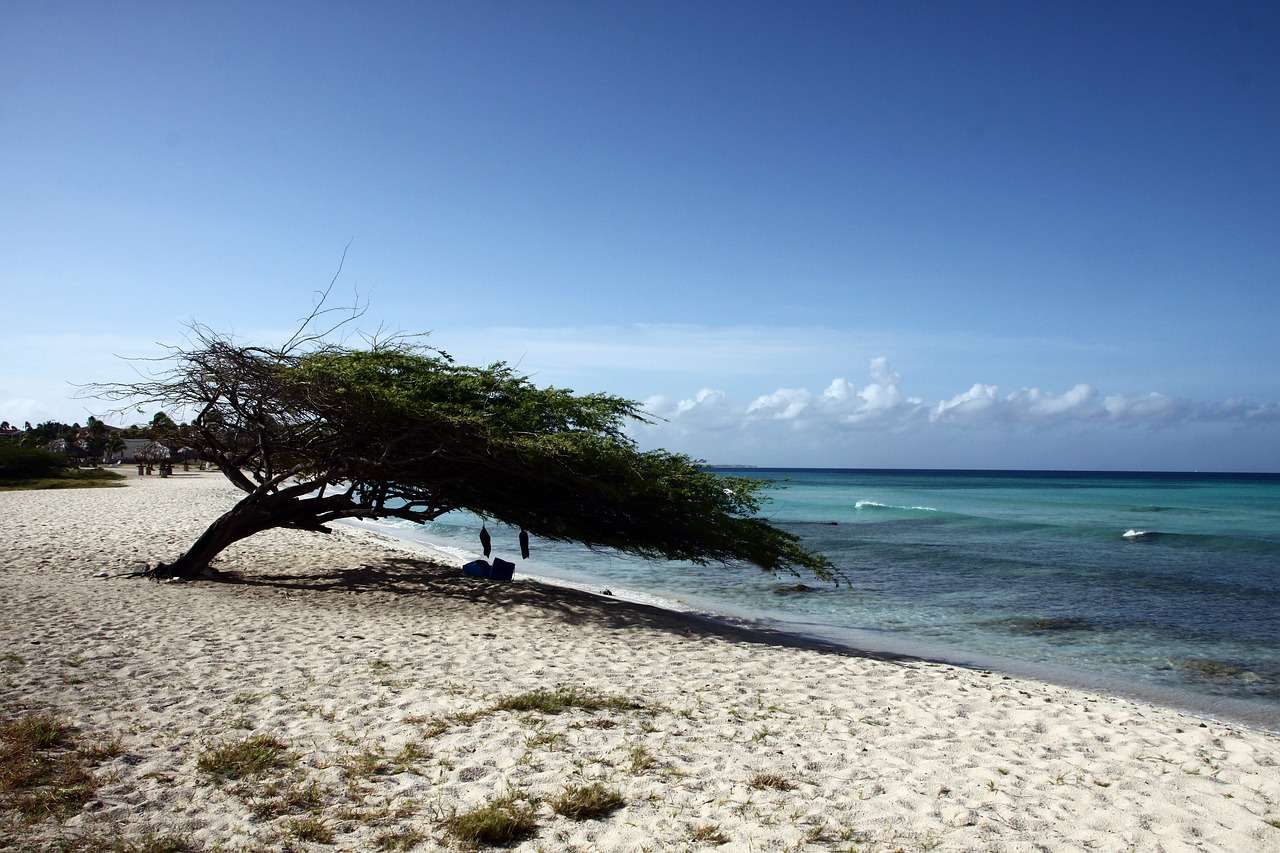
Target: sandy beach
column 381, row 677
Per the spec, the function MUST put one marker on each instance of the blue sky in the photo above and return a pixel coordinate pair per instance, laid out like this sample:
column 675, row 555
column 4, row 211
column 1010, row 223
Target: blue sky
column 720, row 209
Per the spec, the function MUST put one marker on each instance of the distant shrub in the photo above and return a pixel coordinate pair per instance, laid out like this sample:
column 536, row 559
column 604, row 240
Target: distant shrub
column 28, row 463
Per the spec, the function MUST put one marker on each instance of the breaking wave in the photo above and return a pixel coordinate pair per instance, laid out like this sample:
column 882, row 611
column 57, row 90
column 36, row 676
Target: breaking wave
column 874, row 505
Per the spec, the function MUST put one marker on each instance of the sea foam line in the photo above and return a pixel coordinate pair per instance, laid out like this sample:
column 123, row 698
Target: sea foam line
column 878, row 505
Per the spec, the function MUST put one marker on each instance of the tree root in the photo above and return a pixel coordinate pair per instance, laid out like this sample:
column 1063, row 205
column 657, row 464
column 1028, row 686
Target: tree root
column 166, row 571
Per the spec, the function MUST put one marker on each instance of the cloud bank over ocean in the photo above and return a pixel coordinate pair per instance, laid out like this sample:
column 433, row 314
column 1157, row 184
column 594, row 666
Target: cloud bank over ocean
column 883, row 404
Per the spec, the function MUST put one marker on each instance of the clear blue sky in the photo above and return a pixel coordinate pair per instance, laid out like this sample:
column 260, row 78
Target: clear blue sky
column 664, row 199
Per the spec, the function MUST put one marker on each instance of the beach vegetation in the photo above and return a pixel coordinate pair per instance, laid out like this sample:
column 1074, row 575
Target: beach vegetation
column 640, row 759
column 314, row 431
column 399, row 839
column 69, row 478
column 311, row 828
column 434, row 727
column 564, row 699
column 586, row 802
column 708, row 833
column 246, row 758
column 42, row 773
column 167, row 843
column 277, row 800
column 498, row 823
column 103, row 750
column 409, row 754
column 772, row 781
column 549, row 740
column 366, row 763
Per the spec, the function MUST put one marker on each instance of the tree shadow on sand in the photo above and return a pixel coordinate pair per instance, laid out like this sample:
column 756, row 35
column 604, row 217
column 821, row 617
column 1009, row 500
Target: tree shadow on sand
column 410, row 577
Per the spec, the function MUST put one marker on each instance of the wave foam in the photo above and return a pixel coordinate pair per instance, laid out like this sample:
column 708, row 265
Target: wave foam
column 878, row 505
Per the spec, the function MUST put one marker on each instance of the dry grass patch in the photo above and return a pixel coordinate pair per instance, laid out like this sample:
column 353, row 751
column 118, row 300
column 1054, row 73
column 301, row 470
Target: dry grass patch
column 772, row 781
column 431, row 726
column 103, row 750
column 399, row 839
column 246, row 758
column 544, row 739
column 498, row 823
column 311, row 828
column 284, row 800
column 640, row 759
column 42, row 775
column 708, row 833
column 153, row 844
column 409, row 754
column 585, row 802
column 564, row 699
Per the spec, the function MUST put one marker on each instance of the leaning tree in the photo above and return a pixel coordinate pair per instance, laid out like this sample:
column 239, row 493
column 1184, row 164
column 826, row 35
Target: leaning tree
column 314, row 431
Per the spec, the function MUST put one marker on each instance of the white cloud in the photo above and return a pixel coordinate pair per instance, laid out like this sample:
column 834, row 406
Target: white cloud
column 882, row 404
column 785, row 404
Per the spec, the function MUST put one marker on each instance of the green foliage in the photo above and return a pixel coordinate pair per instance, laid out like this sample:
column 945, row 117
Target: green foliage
column 28, row 463
column 67, row 479
column 545, row 459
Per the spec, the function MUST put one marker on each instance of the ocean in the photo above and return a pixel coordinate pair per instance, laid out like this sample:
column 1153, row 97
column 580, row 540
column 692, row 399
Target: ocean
column 1160, row 586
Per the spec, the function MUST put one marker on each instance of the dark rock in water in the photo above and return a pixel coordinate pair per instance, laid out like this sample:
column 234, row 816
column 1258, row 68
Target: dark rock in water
column 606, row 591
column 1037, row 625
column 788, row 590
column 1217, row 670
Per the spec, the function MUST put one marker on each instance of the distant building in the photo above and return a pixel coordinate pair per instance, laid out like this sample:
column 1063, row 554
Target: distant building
column 140, row 448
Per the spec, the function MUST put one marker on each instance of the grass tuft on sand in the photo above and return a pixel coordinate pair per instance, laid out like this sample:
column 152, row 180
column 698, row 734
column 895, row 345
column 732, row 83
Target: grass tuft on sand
column 311, row 828
column 42, row 774
column 399, row 839
column 498, row 823
column 245, row 758
column 585, row 802
column 709, row 833
column 772, row 781
column 565, row 699
column 153, row 844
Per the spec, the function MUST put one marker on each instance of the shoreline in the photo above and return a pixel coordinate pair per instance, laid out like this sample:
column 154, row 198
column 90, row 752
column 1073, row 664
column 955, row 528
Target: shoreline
column 1225, row 710
column 386, row 680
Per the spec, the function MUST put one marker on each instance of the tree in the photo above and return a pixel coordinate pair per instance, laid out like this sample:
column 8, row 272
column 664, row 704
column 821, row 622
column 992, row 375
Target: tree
column 313, row 432
column 96, row 442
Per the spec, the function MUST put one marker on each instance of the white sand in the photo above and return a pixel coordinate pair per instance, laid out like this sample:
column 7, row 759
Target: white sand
column 346, row 638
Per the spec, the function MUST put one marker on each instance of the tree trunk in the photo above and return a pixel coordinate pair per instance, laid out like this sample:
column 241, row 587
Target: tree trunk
column 241, row 521
column 255, row 513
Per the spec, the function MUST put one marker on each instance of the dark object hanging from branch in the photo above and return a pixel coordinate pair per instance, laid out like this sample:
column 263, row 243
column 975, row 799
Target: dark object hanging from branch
column 524, row 544
column 485, row 541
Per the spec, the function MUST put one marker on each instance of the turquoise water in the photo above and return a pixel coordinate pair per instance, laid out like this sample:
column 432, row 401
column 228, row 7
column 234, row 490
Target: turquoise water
column 1027, row 571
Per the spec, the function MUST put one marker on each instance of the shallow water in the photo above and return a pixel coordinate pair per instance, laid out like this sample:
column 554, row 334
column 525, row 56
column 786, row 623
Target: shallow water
column 1033, row 568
